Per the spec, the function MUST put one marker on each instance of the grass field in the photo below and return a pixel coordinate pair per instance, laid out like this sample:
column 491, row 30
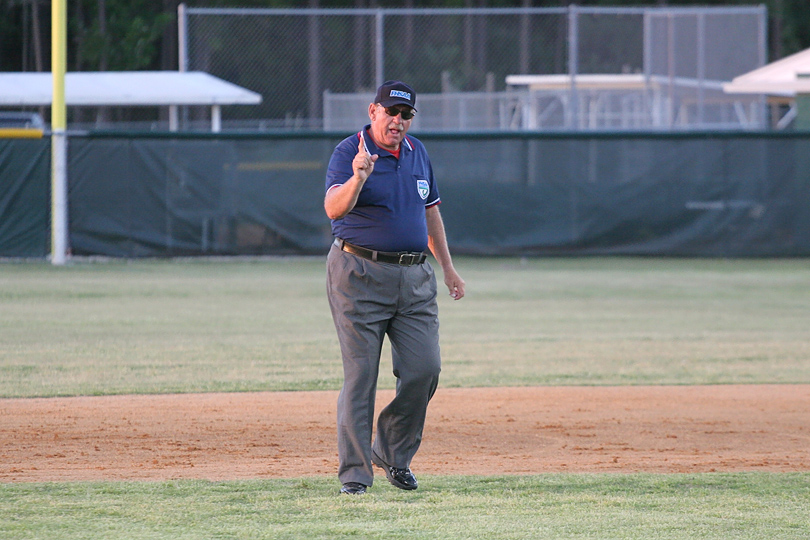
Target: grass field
column 156, row 327
column 190, row 326
column 637, row 506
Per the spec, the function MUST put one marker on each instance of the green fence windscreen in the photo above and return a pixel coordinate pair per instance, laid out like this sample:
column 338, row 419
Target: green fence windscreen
column 25, row 197
column 704, row 194
column 191, row 196
column 707, row 195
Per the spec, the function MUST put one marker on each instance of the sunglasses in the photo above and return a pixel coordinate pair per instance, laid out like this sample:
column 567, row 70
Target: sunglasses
column 407, row 113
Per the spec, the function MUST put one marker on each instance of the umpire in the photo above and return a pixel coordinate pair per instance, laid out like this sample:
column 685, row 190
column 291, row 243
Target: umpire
column 384, row 205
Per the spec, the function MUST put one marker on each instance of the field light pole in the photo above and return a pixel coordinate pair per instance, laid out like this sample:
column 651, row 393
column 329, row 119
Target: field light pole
column 59, row 231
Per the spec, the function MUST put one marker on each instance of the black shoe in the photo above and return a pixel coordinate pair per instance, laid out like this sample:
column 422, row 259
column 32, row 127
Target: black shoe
column 401, row 478
column 353, row 488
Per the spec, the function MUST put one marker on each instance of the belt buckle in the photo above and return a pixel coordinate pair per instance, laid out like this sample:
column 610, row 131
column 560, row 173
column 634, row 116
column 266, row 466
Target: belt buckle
column 407, row 259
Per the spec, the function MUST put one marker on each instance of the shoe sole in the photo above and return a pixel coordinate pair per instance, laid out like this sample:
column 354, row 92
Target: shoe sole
column 375, row 459
column 343, row 491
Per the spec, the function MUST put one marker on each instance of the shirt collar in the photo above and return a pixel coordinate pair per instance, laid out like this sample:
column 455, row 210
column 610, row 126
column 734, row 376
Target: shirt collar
column 371, row 145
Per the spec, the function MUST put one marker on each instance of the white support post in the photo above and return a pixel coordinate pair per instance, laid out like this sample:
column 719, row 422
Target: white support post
column 173, row 118
column 216, row 118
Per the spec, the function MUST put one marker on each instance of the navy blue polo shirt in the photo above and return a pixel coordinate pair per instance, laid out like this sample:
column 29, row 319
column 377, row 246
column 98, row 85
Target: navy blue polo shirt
column 390, row 210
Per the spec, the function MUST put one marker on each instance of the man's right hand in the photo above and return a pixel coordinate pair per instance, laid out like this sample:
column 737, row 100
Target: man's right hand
column 341, row 198
column 363, row 163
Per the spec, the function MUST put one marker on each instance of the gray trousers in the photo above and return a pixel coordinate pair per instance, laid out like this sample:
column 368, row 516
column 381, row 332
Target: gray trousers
column 370, row 300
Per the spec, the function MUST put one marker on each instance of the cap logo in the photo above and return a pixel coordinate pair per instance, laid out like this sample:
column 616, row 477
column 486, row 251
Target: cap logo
column 400, row 94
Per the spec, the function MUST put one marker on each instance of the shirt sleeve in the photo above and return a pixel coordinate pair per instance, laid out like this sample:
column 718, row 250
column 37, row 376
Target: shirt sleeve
column 433, row 197
column 340, row 164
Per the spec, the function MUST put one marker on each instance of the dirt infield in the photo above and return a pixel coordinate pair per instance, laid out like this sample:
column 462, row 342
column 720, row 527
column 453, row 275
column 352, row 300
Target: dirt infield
column 469, row 431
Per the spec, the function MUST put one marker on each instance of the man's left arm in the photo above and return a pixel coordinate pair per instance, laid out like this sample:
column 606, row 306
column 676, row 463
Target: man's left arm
column 437, row 242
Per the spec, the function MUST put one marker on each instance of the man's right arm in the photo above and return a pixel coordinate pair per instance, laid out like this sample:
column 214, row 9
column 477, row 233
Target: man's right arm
column 341, row 198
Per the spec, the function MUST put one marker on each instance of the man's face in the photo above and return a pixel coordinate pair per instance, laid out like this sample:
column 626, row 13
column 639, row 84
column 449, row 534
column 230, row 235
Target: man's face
column 387, row 130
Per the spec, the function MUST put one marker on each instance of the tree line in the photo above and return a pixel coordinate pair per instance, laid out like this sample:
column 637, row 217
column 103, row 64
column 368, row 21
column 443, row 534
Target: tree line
column 124, row 35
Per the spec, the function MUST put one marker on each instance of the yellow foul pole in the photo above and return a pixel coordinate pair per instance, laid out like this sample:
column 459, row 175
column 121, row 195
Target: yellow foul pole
column 59, row 232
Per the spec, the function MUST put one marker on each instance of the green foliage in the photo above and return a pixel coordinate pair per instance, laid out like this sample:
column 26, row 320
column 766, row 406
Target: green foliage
column 794, row 18
column 10, row 38
column 140, row 34
column 128, row 39
column 132, row 38
column 634, row 506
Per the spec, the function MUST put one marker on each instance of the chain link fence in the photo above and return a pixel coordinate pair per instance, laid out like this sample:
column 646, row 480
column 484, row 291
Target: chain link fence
column 482, row 69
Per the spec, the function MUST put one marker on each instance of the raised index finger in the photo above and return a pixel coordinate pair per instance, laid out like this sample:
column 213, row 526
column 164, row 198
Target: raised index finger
column 361, row 147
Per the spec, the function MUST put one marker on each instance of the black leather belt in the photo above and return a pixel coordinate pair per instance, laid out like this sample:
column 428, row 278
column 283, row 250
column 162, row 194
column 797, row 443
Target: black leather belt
column 402, row 258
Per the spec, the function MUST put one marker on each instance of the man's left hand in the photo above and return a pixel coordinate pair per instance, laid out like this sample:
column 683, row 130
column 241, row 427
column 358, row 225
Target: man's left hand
column 455, row 285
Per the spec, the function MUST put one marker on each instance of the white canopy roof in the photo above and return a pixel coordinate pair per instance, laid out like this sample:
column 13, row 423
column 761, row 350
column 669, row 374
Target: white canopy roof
column 602, row 81
column 786, row 77
column 124, row 88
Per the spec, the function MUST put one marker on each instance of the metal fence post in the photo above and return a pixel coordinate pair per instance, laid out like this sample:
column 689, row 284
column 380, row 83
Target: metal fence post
column 314, row 92
column 573, row 66
column 182, row 38
column 701, row 65
column 647, row 59
column 763, row 55
column 379, row 47
column 182, row 60
column 670, row 70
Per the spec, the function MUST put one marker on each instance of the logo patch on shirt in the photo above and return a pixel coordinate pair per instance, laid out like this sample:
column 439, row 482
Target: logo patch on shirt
column 423, row 187
column 400, row 93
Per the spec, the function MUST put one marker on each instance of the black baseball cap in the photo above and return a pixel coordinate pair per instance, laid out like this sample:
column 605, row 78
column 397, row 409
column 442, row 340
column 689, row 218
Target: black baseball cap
column 395, row 93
